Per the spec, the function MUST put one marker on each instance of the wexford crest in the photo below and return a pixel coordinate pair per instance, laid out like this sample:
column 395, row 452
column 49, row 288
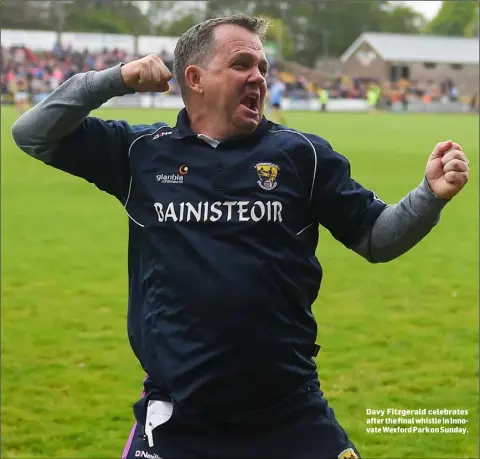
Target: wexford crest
column 348, row 453
column 267, row 173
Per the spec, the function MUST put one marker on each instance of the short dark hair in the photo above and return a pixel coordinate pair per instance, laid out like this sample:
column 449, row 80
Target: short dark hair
column 195, row 45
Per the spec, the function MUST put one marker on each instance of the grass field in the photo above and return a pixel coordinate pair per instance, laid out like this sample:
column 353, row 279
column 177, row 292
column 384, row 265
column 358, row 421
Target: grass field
column 399, row 335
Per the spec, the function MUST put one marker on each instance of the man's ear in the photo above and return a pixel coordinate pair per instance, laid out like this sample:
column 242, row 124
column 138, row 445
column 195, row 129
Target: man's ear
column 193, row 78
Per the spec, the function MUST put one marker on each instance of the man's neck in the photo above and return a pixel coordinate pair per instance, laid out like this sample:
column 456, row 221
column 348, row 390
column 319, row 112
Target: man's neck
column 200, row 125
column 202, row 122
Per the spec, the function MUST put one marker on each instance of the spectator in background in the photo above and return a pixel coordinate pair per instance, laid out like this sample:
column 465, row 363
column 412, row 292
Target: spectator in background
column 21, row 94
column 167, row 58
column 454, row 93
column 373, row 96
column 404, row 99
column 323, row 96
column 403, row 84
column 276, row 95
column 387, row 95
column 474, row 101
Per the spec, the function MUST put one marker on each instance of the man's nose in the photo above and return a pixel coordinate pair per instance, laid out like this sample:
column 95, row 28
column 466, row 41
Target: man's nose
column 256, row 77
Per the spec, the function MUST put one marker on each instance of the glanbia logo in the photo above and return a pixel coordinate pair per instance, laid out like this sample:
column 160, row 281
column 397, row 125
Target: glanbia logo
column 174, row 178
column 170, row 178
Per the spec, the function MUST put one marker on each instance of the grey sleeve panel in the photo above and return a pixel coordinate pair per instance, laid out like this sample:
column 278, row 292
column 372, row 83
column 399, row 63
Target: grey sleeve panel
column 401, row 226
column 39, row 131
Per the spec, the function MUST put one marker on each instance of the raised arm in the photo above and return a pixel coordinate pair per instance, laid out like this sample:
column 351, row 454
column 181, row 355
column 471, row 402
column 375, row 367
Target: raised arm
column 377, row 231
column 401, row 226
column 60, row 132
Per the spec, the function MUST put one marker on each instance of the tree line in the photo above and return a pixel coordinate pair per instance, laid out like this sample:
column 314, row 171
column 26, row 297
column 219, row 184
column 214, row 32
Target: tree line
column 304, row 31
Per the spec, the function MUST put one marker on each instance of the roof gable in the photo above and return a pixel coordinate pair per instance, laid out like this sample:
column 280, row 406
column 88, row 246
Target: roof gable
column 418, row 48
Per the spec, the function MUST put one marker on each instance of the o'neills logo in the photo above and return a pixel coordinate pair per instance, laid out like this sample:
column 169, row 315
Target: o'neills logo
column 170, row 178
column 235, row 211
column 146, row 455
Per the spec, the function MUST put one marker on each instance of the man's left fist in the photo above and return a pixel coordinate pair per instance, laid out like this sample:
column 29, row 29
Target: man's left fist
column 447, row 169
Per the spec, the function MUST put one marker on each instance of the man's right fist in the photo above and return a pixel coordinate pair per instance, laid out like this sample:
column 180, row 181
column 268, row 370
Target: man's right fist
column 148, row 74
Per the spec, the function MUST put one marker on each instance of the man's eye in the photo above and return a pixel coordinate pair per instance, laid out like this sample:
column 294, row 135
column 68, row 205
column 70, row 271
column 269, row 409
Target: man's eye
column 242, row 65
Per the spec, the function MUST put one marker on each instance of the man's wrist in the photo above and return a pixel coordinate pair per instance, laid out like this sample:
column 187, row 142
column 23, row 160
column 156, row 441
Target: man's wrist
column 108, row 83
column 425, row 201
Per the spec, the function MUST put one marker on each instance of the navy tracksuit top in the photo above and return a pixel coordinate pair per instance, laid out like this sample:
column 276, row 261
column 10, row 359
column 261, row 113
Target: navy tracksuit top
column 221, row 259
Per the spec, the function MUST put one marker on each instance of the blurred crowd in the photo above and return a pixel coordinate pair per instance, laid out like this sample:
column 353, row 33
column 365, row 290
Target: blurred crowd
column 384, row 93
column 39, row 73
column 427, row 91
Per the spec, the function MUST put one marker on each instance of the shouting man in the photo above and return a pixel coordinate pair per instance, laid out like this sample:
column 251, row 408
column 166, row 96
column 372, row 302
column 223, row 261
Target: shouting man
column 224, row 210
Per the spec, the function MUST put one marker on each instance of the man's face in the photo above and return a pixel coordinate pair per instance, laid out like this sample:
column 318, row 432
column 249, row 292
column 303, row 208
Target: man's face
column 233, row 81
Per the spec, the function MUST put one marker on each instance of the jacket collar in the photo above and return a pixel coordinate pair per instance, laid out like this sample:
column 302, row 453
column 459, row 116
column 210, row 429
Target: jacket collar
column 183, row 130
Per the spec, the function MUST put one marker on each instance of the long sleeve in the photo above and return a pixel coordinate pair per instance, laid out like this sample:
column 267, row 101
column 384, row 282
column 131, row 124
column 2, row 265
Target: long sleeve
column 359, row 219
column 59, row 132
column 401, row 226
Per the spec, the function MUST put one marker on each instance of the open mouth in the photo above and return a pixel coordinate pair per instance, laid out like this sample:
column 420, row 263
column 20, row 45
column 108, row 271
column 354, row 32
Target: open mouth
column 251, row 102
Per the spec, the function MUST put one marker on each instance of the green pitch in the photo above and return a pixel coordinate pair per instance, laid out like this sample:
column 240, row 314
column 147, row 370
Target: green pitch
column 401, row 335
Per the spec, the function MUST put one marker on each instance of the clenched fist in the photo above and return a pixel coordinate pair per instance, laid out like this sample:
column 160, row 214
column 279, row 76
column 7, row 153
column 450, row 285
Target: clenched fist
column 447, row 169
column 148, row 74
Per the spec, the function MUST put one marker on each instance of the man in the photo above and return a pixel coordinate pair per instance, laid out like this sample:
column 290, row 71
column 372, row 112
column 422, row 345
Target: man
column 223, row 210
column 323, row 96
column 21, row 94
column 373, row 96
column 276, row 94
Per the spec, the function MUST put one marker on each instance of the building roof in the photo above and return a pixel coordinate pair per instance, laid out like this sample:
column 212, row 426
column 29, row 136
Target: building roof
column 419, row 48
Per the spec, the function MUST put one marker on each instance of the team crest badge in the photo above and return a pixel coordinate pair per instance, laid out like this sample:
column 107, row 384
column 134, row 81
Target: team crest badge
column 348, row 453
column 267, row 173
